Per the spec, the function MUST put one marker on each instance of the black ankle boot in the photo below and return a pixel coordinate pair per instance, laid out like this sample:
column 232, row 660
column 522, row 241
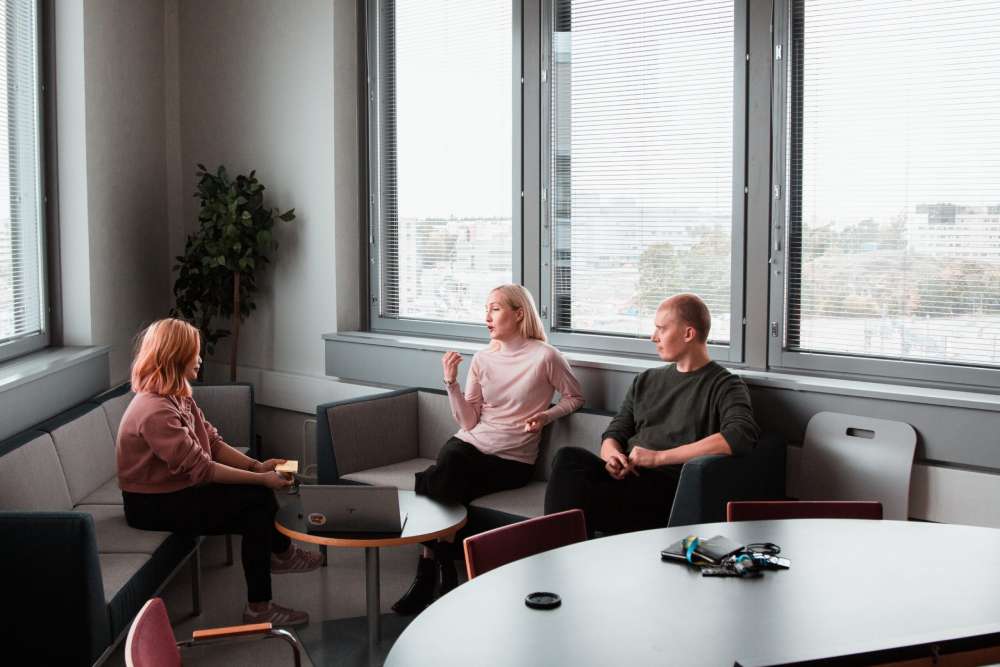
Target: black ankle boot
column 421, row 591
column 444, row 554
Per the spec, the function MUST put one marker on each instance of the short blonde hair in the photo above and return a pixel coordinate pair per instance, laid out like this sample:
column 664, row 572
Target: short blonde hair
column 166, row 349
column 518, row 298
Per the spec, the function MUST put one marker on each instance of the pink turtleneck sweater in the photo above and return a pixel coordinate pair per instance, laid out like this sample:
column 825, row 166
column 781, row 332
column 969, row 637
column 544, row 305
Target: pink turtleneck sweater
column 504, row 389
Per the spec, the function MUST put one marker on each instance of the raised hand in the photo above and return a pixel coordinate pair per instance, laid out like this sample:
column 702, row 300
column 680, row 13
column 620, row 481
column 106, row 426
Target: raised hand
column 449, row 364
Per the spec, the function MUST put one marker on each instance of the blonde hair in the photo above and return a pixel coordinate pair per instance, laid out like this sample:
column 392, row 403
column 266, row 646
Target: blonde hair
column 166, row 349
column 516, row 298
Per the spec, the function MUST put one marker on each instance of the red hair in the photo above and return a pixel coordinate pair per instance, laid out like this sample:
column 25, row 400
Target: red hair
column 165, row 352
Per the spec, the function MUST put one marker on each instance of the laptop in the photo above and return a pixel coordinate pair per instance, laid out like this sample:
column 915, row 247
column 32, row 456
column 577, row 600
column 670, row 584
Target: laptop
column 351, row 509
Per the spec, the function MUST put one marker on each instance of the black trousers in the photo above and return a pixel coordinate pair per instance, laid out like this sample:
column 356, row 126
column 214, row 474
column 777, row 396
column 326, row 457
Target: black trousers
column 579, row 480
column 463, row 473
column 218, row 509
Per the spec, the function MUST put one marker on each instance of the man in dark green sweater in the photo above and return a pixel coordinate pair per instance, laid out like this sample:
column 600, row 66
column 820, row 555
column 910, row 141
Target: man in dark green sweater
column 690, row 408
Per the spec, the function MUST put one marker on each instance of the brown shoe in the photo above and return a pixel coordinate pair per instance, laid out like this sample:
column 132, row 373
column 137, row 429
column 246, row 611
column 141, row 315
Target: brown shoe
column 276, row 615
column 299, row 560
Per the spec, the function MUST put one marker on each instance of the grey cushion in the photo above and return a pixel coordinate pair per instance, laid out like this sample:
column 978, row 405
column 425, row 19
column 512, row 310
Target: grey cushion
column 372, row 434
column 399, row 475
column 580, row 429
column 117, row 570
column 527, row 501
column 115, row 536
column 106, row 494
column 86, row 451
column 32, row 479
column 114, row 409
column 229, row 410
column 435, row 423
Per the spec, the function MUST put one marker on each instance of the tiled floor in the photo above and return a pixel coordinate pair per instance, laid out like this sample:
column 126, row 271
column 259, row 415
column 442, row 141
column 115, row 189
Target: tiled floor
column 336, row 591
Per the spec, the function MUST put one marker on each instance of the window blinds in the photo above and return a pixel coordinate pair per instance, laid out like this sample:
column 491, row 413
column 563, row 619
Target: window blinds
column 445, row 123
column 893, row 177
column 641, row 161
column 21, row 265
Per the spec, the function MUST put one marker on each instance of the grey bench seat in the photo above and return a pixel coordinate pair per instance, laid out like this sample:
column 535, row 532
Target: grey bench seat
column 384, row 439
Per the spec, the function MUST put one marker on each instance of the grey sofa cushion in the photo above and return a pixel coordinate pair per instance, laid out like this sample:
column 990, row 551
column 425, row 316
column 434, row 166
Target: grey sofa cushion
column 229, row 410
column 117, row 570
column 116, row 536
column 527, row 501
column 106, row 494
column 372, row 434
column 435, row 423
column 580, row 429
column 32, row 479
column 399, row 475
column 86, row 451
column 114, row 409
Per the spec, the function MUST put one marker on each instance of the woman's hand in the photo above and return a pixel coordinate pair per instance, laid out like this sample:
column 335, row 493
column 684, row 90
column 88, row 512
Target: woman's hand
column 268, row 465
column 275, row 480
column 449, row 364
column 535, row 423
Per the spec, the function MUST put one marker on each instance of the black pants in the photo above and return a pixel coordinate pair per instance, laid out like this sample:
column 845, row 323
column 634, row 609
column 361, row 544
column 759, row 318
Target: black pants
column 218, row 509
column 579, row 480
column 463, row 473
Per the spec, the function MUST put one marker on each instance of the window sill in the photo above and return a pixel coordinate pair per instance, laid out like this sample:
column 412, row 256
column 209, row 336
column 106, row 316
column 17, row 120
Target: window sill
column 770, row 379
column 37, row 365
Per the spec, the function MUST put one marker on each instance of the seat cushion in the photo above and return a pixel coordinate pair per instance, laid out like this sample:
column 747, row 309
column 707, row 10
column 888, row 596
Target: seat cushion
column 527, row 501
column 116, row 536
column 30, row 475
column 399, row 475
column 132, row 578
column 106, row 494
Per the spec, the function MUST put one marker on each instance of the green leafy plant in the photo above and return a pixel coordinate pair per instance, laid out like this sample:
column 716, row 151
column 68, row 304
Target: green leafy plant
column 217, row 274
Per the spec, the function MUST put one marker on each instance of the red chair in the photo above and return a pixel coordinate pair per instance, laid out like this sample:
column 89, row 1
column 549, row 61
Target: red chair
column 757, row 510
column 150, row 641
column 489, row 550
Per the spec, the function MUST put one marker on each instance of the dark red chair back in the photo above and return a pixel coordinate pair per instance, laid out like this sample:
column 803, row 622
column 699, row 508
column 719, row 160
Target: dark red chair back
column 151, row 640
column 759, row 510
column 489, row 550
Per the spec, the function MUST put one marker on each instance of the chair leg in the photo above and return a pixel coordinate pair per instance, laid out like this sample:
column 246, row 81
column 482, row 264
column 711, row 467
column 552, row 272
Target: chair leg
column 229, row 549
column 196, row 581
column 322, row 552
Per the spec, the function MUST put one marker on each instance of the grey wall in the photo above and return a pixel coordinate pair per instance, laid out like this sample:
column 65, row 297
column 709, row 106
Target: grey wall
column 257, row 82
column 110, row 115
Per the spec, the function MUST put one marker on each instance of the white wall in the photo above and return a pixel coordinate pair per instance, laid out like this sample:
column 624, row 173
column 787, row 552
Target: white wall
column 113, row 222
column 271, row 86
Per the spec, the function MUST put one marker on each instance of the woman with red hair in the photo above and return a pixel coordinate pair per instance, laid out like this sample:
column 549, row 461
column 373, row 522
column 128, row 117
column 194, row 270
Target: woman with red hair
column 177, row 473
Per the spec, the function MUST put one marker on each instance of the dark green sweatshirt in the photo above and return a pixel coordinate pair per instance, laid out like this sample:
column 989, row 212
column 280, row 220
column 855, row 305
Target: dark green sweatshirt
column 665, row 408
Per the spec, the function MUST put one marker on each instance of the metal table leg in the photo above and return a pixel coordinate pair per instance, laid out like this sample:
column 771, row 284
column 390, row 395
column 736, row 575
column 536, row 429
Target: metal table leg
column 372, row 597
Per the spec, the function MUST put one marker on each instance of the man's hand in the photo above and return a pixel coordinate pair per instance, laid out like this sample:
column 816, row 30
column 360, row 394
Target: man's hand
column 535, row 423
column 617, row 465
column 640, row 457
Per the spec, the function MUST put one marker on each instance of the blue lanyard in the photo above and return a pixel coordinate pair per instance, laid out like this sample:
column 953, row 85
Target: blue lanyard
column 691, row 545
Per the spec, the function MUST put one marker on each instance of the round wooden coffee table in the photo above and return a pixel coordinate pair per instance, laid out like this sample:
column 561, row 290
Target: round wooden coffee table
column 426, row 520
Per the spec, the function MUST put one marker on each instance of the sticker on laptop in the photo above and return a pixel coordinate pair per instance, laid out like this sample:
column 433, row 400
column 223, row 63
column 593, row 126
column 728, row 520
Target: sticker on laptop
column 316, row 519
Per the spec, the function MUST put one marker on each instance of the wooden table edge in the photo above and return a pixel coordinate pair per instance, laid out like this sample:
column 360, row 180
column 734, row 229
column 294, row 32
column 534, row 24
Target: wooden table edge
column 378, row 542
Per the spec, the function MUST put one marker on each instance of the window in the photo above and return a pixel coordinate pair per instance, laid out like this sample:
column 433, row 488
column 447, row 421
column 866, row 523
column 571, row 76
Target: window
column 892, row 173
column 647, row 188
column 442, row 130
column 23, row 325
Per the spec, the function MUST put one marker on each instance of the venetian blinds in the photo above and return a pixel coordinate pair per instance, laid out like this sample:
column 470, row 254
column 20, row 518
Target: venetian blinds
column 445, row 184
column 641, row 161
column 893, row 180
column 21, row 265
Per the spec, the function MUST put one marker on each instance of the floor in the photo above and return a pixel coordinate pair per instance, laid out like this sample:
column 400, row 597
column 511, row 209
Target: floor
column 336, row 591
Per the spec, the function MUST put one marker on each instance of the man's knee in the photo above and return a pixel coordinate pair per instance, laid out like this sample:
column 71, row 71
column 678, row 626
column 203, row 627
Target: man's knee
column 569, row 458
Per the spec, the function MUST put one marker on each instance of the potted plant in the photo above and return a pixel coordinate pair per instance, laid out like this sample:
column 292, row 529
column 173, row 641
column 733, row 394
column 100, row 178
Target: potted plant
column 217, row 274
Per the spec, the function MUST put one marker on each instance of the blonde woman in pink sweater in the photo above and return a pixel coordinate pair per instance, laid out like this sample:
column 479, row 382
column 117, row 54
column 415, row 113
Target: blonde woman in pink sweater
column 177, row 473
column 500, row 415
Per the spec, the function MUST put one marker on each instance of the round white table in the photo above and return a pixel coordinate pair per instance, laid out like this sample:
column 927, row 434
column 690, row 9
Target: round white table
column 853, row 587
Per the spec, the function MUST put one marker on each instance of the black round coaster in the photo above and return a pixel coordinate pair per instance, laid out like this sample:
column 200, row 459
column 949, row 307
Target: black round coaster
column 542, row 600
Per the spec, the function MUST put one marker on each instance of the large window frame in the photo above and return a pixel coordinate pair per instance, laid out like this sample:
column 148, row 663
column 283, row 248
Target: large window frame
column 786, row 36
column 32, row 342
